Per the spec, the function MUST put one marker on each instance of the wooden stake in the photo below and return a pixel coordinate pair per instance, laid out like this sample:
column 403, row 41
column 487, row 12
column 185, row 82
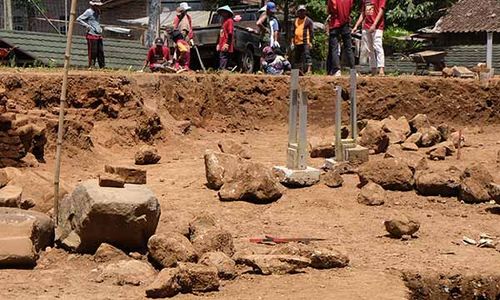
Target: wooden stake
column 459, row 143
column 62, row 103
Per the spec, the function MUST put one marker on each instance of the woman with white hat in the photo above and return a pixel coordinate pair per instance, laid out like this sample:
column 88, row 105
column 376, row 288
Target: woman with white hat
column 183, row 22
column 90, row 20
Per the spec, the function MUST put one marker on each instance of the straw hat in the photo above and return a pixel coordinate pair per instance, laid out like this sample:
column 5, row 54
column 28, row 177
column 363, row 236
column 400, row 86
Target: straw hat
column 226, row 8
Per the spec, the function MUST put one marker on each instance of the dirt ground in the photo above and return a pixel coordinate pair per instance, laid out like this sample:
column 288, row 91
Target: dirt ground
column 110, row 109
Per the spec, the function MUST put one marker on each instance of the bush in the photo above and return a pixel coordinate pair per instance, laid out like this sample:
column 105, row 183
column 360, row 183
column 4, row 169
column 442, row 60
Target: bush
column 320, row 48
column 394, row 44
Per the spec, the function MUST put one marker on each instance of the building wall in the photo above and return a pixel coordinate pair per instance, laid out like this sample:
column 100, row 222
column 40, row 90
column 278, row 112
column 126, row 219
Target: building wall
column 55, row 11
column 32, row 20
column 132, row 10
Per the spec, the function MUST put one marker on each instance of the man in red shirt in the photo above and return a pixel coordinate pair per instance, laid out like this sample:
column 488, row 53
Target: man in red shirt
column 339, row 12
column 372, row 13
column 158, row 55
column 225, row 46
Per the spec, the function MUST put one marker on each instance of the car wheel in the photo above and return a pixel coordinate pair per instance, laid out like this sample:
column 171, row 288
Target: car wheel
column 248, row 61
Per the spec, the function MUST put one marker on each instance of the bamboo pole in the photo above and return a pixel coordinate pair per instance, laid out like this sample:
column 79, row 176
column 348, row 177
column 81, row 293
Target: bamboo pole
column 64, row 90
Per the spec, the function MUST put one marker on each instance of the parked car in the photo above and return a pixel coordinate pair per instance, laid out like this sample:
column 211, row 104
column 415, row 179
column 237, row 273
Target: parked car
column 247, row 41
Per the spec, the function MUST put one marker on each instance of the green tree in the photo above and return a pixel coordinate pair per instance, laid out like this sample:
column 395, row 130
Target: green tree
column 415, row 14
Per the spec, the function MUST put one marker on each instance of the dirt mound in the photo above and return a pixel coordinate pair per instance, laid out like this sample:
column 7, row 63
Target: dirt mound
column 457, row 286
column 129, row 109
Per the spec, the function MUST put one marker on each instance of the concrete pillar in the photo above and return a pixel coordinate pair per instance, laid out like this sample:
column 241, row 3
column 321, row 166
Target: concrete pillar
column 354, row 106
column 339, row 152
column 489, row 50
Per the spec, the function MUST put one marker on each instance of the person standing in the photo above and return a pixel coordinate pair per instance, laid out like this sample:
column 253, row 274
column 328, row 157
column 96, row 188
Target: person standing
column 225, row 45
column 269, row 27
column 372, row 17
column 339, row 12
column 90, row 20
column 183, row 22
column 302, row 41
column 158, row 56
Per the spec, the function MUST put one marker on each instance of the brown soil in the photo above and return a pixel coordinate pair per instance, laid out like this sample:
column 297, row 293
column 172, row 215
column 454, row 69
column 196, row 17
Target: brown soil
column 109, row 111
column 454, row 286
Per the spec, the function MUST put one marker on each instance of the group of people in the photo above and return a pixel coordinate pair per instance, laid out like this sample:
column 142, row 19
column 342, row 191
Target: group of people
column 159, row 58
column 371, row 19
column 338, row 26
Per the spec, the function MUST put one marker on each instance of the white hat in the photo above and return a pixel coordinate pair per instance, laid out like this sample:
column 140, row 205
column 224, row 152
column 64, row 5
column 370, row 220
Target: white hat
column 96, row 2
column 183, row 7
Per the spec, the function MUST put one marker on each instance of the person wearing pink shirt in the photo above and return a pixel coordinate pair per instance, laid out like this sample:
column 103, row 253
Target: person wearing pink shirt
column 372, row 18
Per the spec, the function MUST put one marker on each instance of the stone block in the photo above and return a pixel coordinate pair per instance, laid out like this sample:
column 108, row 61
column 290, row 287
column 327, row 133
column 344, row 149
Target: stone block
column 358, row 154
column 297, row 178
column 129, row 174
column 22, row 235
column 111, row 180
column 10, row 196
column 92, row 215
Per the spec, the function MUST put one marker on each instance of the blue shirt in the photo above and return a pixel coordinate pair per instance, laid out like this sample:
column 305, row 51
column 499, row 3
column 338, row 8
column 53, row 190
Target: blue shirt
column 90, row 19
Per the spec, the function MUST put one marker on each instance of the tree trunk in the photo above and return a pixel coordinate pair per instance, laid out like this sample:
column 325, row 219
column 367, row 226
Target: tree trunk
column 154, row 18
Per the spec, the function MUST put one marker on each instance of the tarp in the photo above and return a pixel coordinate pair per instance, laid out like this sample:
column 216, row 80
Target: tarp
column 199, row 18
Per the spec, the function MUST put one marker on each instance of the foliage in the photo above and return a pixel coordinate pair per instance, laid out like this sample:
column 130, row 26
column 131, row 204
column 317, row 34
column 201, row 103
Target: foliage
column 408, row 14
column 316, row 9
column 393, row 43
column 415, row 14
column 320, row 46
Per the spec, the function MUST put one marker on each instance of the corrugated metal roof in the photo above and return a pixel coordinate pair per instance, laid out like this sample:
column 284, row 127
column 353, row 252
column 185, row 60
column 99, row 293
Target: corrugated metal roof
column 199, row 19
column 49, row 49
column 471, row 16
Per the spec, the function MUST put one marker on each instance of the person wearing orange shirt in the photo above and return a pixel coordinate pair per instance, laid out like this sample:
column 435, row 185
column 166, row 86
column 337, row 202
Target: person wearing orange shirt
column 302, row 40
